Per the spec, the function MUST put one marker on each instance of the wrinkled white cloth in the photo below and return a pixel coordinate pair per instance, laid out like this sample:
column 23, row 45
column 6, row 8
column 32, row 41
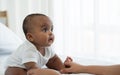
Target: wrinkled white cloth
column 27, row 52
column 9, row 41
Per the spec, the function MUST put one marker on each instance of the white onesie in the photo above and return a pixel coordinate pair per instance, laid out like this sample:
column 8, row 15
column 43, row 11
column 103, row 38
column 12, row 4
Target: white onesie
column 27, row 52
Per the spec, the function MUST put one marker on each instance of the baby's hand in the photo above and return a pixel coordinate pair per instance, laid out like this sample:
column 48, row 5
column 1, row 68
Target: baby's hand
column 68, row 59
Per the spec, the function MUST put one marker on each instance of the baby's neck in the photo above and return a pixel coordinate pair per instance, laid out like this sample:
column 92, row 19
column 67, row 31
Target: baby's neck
column 42, row 51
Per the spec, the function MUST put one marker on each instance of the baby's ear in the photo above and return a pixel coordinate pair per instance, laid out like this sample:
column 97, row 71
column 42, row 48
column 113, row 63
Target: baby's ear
column 29, row 37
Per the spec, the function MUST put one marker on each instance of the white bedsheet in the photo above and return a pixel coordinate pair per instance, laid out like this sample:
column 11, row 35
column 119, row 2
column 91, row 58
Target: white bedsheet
column 9, row 41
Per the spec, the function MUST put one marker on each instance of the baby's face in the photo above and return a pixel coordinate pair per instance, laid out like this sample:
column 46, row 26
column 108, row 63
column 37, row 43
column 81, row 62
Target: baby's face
column 42, row 31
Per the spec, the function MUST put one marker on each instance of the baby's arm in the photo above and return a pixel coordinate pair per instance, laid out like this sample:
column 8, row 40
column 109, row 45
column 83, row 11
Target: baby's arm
column 55, row 63
column 33, row 69
column 31, row 65
column 42, row 72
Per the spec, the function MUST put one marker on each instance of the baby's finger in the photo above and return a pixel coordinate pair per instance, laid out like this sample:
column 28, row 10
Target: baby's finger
column 68, row 59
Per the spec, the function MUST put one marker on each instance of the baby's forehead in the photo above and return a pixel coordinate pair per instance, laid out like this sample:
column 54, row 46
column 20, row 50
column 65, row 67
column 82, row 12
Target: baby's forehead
column 42, row 21
column 41, row 17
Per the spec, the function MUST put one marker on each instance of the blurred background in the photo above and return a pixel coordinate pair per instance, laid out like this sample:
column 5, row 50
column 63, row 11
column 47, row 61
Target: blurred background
column 83, row 28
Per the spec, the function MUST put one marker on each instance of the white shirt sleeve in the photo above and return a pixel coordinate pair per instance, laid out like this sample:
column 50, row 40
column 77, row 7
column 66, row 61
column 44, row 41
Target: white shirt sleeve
column 29, row 56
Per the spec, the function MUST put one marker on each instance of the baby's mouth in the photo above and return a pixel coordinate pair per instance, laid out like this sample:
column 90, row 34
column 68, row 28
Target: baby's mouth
column 50, row 39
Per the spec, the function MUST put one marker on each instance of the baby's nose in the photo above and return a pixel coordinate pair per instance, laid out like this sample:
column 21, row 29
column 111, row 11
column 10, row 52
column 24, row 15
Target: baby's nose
column 50, row 33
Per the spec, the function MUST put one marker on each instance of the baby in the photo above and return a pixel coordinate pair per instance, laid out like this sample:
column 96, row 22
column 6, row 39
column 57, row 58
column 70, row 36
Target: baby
column 36, row 51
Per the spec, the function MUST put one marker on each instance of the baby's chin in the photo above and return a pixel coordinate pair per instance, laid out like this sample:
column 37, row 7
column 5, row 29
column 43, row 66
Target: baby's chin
column 50, row 44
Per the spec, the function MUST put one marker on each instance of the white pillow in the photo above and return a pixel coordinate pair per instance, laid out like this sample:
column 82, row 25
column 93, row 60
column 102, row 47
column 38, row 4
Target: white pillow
column 9, row 41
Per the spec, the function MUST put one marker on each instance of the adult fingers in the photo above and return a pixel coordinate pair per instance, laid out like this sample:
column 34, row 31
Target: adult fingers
column 66, row 70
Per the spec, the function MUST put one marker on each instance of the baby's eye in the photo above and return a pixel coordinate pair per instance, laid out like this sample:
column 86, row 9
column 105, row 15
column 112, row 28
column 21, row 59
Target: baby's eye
column 51, row 29
column 44, row 29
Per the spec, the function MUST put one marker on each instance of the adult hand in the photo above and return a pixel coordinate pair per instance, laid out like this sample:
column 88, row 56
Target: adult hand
column 73, row 68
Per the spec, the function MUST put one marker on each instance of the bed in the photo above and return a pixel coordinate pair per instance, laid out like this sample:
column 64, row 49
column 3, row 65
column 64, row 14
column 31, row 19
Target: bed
column 9, row 41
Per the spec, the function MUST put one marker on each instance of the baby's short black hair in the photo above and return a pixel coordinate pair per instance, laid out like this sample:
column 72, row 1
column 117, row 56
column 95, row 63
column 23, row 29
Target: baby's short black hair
column 28, row 20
